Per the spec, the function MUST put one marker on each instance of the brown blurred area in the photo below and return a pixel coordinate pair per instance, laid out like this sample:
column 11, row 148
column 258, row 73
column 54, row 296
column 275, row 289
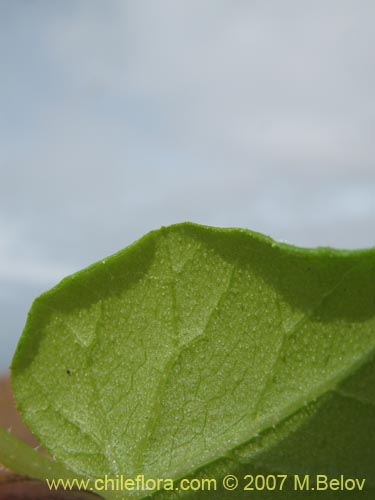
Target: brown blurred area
column 14, row 486
column 11, row 420
column 9, row 417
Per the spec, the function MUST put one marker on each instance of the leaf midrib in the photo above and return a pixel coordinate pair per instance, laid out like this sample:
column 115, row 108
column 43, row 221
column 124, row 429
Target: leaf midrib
column 272, row 423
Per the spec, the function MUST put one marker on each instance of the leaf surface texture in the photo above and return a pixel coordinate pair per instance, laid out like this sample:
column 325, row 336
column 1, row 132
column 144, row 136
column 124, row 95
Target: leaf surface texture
column 204, row 351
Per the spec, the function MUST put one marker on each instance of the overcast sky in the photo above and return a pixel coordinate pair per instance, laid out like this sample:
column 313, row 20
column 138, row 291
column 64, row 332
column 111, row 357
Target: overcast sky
column 118, row 117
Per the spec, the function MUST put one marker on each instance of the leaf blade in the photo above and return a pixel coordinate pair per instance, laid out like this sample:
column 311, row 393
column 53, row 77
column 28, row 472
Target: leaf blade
column 212, row 336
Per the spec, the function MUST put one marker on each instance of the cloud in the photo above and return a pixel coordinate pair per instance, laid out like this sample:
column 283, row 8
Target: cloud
column 123, row 118
column 268, row 81
column 118, row 119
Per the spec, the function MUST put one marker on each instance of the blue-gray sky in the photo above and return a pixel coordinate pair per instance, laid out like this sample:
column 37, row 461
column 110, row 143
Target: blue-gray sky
column 118, row 117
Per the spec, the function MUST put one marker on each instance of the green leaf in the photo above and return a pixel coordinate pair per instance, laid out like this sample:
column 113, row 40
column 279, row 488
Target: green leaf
column 206, row 351
column 22, row 459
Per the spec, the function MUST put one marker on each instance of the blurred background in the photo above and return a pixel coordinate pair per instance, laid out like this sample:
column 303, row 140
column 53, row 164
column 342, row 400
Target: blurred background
column 118, row 117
